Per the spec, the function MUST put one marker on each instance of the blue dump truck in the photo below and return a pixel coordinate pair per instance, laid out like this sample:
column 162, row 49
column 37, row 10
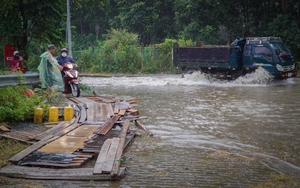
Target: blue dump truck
column 243, row 56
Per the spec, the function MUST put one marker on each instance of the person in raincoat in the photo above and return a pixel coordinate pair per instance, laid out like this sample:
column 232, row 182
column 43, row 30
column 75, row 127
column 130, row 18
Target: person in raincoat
column 49, row 69
column 16, row 63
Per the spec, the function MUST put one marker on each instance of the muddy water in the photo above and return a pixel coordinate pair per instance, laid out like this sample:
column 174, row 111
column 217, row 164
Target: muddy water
column 206, row 133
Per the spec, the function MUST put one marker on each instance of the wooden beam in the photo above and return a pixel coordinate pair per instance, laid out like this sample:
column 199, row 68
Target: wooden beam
column 101, row 157
column 108, row 125
column 121, row 112
column 138, row 124
column 117, row 162
column 17, row 138
column 133, row 112
column 116, row 108
column 110, row 111
column 55, row 129
column 15, row 171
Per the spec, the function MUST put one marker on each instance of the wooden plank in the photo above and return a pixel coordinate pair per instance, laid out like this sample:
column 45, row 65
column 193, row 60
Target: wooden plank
column 135, row 118
column 101, row 157
column 83, row 112
column 39, row 173
column 90, row 111
column 133, row 112
column 30, row 149
column 84, row 130
column 68, row 129
column 106, row 127
column 111, row 155
column 85, row 100
column 102, row 112
column 68, row 165
column 116, row 108
column 64, row 145
column 97, row 112
column 17, row 138
column 110, row 111
column 99, row 97
column 54, row 130
column 121, row 112
column 74, row 100
column 4, row 129
column 117, row 162
column 22, row 134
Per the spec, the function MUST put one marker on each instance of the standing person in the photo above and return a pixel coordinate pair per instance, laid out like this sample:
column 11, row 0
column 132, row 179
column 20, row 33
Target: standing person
column 16, row 63
column 49, row 68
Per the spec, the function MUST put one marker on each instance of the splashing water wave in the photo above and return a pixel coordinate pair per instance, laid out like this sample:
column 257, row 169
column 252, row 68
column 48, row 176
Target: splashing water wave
column 258, row 78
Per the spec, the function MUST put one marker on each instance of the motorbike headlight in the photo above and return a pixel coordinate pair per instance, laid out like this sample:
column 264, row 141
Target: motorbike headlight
column 70, row 66
column 279, row 67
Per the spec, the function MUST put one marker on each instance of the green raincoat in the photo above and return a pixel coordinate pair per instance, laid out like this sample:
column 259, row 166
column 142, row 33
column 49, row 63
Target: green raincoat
column 50, row 75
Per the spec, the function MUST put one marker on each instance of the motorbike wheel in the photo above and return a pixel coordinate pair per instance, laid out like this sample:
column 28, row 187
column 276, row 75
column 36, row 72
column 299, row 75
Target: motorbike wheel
column 75, row 90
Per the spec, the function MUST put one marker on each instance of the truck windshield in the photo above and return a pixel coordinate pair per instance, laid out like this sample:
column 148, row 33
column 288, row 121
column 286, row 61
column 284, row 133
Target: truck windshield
column 280, row 46
column 263, row 51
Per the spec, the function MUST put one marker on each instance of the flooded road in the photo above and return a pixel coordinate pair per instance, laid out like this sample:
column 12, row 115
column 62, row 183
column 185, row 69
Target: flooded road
column 206, row 133
column 209, row 134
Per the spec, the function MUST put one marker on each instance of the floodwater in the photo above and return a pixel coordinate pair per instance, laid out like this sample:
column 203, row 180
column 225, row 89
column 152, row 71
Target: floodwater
column 206, row 133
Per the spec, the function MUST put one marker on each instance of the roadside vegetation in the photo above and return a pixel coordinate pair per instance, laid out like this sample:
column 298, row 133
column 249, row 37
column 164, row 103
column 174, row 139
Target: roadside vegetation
column 117, row 37
column 121, row 53
column 18, row 102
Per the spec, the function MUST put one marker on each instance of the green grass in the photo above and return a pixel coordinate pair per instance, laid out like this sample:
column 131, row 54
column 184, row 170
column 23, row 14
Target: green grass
column 9, row 148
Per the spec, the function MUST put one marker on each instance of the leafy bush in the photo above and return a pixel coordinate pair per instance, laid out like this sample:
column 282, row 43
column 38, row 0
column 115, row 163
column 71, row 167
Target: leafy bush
column 16, row 105
column 118, row 53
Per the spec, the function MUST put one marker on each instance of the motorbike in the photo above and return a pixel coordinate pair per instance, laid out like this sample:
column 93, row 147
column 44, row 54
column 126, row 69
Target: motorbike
column 70, row 79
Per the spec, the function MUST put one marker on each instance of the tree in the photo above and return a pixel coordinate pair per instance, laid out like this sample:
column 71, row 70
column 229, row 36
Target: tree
column 198, row 20
column 21, row 21
column 152, row 20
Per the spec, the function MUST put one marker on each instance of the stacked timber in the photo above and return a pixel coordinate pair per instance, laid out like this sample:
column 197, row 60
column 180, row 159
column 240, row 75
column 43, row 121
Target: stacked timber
column 99, row 131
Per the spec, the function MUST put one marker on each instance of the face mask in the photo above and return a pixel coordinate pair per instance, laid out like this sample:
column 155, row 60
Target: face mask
column 64, row 54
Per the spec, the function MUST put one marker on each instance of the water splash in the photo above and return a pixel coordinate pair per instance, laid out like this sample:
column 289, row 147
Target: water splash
column 258, row 78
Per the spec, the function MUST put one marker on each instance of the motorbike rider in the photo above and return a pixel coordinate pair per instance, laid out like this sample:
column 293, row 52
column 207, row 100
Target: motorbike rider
column 63, row 59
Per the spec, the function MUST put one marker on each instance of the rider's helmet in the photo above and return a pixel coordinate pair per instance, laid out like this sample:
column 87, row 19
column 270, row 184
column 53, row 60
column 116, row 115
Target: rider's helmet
column 64, row 50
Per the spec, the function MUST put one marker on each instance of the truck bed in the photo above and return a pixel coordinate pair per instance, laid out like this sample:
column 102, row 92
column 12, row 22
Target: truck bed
column 202, row 54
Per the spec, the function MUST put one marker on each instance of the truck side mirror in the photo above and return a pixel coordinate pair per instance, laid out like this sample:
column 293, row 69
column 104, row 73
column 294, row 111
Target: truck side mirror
column 277, row 51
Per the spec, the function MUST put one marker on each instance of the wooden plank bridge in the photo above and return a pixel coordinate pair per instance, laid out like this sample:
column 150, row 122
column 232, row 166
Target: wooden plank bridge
column 99, row 131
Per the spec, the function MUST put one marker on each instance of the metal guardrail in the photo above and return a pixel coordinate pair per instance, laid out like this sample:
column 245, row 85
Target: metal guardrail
column 19, row 79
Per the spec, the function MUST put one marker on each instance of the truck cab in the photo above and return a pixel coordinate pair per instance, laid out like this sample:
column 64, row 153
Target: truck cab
column 271, row 54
